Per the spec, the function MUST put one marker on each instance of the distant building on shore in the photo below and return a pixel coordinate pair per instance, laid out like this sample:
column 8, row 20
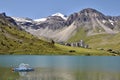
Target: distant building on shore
column 81, row 43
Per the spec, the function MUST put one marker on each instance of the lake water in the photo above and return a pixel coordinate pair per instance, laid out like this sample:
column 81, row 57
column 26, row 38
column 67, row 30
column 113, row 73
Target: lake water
column 61, row 67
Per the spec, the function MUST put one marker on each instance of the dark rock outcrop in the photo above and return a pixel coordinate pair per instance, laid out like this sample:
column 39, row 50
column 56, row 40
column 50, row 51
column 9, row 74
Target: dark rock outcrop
column 8, row 19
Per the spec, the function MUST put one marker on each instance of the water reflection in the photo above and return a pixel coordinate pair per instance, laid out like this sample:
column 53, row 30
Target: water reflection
column 49, row 74
column 22, row 74
column 61, row 74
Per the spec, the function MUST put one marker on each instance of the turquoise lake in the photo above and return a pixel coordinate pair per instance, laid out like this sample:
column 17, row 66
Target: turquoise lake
column 61, row 67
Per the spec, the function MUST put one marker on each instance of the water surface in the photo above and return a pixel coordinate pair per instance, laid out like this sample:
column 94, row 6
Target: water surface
column 61, row 67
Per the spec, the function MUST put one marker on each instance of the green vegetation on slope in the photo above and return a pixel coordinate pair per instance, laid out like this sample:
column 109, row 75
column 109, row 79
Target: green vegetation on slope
column 77, row 37
column 16, row 41
column 81, row 34
column 104, row 41
column 100, row 41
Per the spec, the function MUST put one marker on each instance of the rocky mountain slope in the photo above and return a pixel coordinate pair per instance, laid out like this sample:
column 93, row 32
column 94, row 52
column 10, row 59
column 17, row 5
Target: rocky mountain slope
column 60, row 28
column 44, row 27
column 94, row 22
column 53, row 22
column 14, row 40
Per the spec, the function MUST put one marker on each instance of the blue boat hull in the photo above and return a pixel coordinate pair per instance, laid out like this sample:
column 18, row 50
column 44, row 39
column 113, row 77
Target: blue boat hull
column 23, row 70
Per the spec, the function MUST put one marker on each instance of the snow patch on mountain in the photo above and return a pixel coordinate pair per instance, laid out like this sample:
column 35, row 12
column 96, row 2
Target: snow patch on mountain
column 40, row 20
column 18, row 19
column 104, row 21
column 112, row 22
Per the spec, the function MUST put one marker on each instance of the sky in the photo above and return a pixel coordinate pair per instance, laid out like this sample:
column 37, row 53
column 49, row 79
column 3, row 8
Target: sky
column 36, row 9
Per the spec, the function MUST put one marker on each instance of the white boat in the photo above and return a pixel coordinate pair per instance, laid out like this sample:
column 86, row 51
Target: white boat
column 23, row 68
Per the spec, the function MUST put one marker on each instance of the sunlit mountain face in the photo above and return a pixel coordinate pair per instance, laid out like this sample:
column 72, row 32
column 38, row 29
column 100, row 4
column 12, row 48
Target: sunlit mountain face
column 89, row 20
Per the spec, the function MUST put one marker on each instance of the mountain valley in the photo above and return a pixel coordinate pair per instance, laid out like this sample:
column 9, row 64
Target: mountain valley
column 99, row 31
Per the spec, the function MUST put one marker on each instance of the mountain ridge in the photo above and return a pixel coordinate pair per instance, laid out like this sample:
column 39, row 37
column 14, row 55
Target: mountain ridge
column 90, row 20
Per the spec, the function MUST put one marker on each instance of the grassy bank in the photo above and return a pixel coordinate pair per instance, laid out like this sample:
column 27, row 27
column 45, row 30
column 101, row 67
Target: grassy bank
column 82, row 51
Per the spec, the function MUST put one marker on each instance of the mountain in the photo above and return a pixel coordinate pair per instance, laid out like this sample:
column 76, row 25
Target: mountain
column 96, row 29
column 53, row 22
column 14, row 40
column 61, row 28
column 88, row 22
column 94, row 22
column 44, row 27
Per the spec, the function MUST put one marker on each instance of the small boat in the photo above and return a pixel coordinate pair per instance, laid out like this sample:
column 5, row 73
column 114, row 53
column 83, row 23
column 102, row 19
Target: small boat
column 23, row 68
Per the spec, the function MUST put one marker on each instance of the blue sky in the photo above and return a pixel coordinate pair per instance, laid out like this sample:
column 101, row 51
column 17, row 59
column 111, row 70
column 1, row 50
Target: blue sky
column 43, row 8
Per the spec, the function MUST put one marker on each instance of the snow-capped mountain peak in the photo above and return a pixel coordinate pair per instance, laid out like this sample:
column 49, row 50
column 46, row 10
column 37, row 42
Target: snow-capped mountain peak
column 61, row 15
column 56, row 14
